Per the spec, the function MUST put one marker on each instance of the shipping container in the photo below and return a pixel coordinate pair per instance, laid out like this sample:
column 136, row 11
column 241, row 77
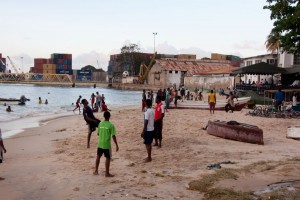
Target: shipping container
column 63, row 71
column 49, row 71
column 49, row 66
column 216, row 56
column 40, row 61
column 83, row 75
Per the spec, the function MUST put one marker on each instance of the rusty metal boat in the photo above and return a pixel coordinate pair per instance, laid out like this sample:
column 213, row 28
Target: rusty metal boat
column 236, row 131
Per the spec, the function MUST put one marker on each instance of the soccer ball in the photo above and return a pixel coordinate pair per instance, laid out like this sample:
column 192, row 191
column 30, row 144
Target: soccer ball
column 125, row 74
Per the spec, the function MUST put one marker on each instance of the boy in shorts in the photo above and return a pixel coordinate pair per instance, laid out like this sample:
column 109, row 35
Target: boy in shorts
column 148, row 130
column 90, row 119
column 106, row 130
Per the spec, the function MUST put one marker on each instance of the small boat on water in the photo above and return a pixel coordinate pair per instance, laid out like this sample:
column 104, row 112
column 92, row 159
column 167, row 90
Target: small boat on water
column 293, row 132
column 13, row 101
column 239, row 103
column 236, row 131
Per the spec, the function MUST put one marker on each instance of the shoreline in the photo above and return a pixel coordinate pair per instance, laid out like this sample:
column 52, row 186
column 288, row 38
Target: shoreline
column 55, row 160
column 118, row 86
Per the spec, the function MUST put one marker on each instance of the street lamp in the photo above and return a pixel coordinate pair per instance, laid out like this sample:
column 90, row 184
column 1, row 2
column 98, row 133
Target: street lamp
column 154, row 34
column 22, row 64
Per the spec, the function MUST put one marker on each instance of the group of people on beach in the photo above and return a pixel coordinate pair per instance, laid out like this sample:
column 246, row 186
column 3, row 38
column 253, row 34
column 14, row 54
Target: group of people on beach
column 97, row 102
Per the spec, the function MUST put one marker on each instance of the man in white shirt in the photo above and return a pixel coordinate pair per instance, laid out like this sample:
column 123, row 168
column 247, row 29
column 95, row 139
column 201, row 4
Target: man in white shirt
column 148, row 129
column 98, row 100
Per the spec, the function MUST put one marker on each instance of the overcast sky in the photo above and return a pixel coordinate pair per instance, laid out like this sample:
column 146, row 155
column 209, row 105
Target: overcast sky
column 91, row 30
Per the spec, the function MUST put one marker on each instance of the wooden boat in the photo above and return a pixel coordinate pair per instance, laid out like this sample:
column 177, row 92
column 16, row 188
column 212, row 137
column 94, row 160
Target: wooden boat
column 220, row 105
column 293, row 132
column 236, row 131
column 13, row 101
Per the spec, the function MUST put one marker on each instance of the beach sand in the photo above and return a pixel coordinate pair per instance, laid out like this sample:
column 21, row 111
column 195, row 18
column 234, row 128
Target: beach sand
column 52, row 161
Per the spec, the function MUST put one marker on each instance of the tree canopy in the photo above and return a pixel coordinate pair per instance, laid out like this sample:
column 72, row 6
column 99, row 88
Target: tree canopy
column 286, row 16
column 89, row 67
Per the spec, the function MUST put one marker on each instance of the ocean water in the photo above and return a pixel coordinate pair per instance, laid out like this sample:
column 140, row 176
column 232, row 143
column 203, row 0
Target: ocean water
column 60, row 101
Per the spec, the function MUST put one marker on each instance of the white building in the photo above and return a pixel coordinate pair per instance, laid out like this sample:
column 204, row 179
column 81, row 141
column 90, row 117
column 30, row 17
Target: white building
column 288, row 60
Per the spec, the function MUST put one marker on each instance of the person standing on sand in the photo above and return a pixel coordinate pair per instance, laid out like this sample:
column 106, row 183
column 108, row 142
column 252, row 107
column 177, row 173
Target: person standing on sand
column 212, row 101
column 106, row 130
column 93, row 100
column 148, row 129
column 158, row 121
column 98, row 100
column 90, row 119
column 2, row 149
column 278, row 99
column 77, row 104
column 144, row 100
column 40, row 100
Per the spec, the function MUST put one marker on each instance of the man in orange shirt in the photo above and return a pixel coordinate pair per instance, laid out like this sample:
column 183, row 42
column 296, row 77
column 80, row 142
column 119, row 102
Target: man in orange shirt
column 212, row 101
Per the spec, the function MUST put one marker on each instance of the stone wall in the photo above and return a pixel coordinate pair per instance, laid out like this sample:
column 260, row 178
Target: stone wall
column 209, row 82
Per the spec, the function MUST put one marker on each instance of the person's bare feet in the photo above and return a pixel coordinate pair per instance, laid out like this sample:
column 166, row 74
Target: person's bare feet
column 1, row 179
column 147, row 160
column 96, row 173
column 155, row 144
column 109, row 175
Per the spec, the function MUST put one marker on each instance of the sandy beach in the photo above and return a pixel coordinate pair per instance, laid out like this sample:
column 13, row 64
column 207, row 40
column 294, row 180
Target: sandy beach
column 52, row 161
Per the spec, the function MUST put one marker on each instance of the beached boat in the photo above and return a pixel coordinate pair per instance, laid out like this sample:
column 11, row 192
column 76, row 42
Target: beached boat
column 236, row 131
column 239, row 103
column 293, row 132
column 13, row 101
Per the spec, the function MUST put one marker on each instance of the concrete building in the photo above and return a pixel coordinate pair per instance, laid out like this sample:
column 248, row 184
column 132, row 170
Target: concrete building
column 288, row 60
column 267, row 58
column 167, row 72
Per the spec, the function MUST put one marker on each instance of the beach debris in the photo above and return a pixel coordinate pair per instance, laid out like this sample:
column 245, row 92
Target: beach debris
column 287, row 185
column 76, row 189
column 218, row 165
column 61, row 130
column 293, row 132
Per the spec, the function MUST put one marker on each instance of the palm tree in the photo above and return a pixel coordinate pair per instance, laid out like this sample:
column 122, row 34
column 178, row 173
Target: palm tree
column 273, row 43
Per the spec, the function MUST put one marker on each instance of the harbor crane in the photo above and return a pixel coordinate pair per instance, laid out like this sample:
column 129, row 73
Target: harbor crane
column 13, row 65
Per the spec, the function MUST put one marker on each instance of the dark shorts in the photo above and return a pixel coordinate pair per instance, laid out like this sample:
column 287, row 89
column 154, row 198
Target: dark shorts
column 212, row 105
column 106, row 152
column 77, row 105
column 278, row 103
column 92, row 126
column 148, row 137
column 158, row 125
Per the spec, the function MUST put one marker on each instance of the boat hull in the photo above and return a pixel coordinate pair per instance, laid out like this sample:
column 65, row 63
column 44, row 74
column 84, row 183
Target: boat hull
column 241, row 132
column 220, row 105
column 11, row 102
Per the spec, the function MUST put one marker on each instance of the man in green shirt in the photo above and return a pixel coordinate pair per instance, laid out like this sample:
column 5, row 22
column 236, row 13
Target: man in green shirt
column 106, row 130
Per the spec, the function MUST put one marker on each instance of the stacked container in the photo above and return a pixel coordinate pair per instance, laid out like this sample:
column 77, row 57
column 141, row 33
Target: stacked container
column 63, row 62
column 49, row 68
column 57, row 64
column 38, row 65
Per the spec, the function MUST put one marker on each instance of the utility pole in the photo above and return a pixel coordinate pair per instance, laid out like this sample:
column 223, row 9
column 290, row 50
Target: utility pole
column 154, row 34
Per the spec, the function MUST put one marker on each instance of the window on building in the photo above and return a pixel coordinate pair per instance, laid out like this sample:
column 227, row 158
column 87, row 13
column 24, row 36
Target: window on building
column 271, row 61
column 296, row 59
column 249, row 63
column 176, row 72
column 170, row 72
column 257, row 61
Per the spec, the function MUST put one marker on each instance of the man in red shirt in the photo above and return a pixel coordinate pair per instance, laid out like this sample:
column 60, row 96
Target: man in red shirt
column 158, row 121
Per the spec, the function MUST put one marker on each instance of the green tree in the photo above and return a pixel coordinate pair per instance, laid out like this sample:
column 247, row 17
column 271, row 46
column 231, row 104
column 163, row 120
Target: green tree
column 129, row 57
column 286, row 16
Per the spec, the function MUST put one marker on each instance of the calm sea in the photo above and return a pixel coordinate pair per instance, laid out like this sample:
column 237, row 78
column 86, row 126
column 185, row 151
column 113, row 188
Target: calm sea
column 60, row 101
